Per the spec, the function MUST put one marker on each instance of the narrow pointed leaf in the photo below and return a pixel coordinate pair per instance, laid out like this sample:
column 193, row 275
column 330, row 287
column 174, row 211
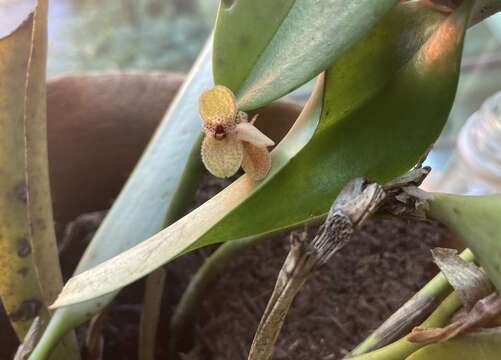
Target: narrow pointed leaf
column 370, row 123
column 39, row 199
column 264, row 49
column 467, row 279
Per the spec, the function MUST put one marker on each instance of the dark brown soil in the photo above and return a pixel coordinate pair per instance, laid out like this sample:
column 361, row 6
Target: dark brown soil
column 384, row 265
column 359, row 288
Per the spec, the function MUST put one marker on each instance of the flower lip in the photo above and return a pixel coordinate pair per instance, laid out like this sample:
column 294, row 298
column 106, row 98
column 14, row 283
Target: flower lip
column 219, row 132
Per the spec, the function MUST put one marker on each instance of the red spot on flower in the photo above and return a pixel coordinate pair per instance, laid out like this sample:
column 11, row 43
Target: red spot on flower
column 220, row 132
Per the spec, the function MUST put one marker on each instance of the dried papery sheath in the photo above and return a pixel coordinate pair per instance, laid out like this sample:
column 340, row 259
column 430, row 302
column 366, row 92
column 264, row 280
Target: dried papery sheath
column 483, row 312
column 469, row 281
column 472, row 285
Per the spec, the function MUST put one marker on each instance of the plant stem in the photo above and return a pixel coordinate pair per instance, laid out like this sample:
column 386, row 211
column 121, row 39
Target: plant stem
column 354, row 204
column 402, row 348
column 150, row 314
column 417, row 308
column 218, row 262
column 296, row 269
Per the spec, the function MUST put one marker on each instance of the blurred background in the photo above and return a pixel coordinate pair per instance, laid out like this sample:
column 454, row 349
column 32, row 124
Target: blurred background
column 127, row 34
column 97, row 35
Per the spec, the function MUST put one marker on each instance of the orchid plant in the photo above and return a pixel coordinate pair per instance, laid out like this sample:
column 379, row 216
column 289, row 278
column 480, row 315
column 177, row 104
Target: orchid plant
column 386, row 74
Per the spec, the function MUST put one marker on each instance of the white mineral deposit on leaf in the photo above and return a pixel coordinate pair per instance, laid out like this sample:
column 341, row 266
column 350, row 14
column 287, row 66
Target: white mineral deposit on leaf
column 13, row 13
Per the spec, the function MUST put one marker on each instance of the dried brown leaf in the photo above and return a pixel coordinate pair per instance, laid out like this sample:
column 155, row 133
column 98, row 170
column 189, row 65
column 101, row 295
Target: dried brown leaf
column 469, row 281
column 484, row 312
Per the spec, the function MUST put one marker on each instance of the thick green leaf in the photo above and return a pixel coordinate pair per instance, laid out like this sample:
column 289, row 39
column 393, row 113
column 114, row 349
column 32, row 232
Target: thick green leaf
column 265, row 49
column 382, row 107
column 482, row 345
column 476, row 220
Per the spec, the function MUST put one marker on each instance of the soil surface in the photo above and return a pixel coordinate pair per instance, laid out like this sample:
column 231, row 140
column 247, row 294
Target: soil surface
column 350, row 296
column 386, row 262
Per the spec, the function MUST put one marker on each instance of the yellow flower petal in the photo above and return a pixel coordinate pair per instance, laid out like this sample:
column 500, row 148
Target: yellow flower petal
column 222, row 157
column 247, row 132
column 257, row 161
column 218, row 110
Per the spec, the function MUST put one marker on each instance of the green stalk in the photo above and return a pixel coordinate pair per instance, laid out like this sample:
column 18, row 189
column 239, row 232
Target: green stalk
column 402, row 348
column 411, row 313
column 150, row 314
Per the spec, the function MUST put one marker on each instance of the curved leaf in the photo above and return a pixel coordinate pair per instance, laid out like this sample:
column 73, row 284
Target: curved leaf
column 371, row 123
column 265, row 49
column 482, row 345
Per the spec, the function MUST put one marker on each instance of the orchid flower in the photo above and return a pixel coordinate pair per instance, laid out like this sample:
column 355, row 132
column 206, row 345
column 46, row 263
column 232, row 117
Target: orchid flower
column 230, row 139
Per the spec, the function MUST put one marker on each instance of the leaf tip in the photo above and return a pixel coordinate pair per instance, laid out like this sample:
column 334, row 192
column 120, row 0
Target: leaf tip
column 13, row 13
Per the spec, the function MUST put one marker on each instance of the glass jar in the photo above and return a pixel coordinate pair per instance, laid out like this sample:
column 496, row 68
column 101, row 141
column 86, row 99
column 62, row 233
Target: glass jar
column 476, row 168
